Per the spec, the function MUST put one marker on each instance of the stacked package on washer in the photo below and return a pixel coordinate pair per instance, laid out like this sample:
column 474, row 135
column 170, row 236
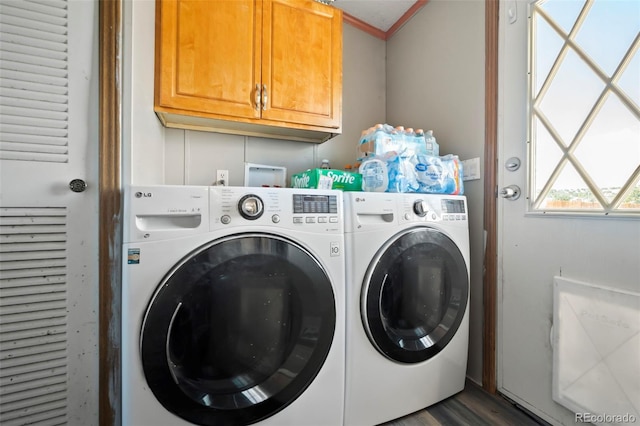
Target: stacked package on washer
column 394, row 159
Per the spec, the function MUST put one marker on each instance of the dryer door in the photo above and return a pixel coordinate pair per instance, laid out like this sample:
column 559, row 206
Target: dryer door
column 238, row 330
column 415, row 295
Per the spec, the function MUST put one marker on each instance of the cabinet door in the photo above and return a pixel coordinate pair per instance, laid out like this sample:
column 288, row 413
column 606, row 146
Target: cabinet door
column 208, row 57
column 302, row 62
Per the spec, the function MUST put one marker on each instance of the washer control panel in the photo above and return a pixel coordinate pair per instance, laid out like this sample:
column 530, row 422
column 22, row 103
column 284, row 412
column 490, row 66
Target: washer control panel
column 433, row 208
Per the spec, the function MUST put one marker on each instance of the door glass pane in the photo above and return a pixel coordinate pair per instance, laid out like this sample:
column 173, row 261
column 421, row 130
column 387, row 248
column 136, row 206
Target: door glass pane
column 563, row 12
column 614, row 131
column 584, row 120
column 629, row 81
column 571, row 95
column 608, row 31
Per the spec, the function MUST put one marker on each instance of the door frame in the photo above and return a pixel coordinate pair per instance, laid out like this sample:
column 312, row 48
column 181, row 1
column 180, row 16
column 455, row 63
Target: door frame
column 110, row 50
column 490, row 277
column 110, row 234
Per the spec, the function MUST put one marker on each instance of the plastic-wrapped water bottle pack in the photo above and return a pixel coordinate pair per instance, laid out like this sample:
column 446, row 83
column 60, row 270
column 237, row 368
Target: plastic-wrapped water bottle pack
column 399, row 160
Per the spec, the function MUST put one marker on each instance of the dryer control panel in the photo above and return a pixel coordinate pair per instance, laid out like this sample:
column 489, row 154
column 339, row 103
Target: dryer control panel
column 306, row 209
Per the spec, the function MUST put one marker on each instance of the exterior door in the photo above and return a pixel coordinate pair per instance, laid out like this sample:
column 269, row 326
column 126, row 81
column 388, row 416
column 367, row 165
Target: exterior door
column 415, row 295
column 249, row 323
column 533, row 247
column 48, row 233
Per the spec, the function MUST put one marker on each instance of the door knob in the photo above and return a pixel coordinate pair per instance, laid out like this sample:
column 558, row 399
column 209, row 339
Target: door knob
column 77, row 185
column 511, row 192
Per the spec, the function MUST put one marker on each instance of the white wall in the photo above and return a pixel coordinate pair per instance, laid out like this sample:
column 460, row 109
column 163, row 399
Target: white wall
column 435, row 80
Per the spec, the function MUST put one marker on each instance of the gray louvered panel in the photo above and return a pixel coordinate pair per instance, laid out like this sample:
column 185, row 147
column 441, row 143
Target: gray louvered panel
column 43, row 378
column 33, row 15
column 28, row 317
column 6, row 212
column 34, row 273
column 38, row 29
column 37, row 299
column 46, row 419
column 17, row 238
column 25, row 334
column 20, row 414
column 16, row 347
column 31, row 375
column 33, row 315
column 46, row 76
column 35, row 87
column 21, row 370
column 32, row 47
column 33, row 66
column 32, row 95
column 32, row 148
column 60, row 4
column 36, row 73
column 30, row 111
column 12, row 60
column 41, row 125
column 30, row 104
column 48, row 280
column 33, row 139
column 49, row 306
column 33, row 255
column 32, row 393
column 12, row 218
column 35, row 264
column 36, row 324
column 35, row 246
column 12, row 128
column 31, row 359
column 35, row 229
column 31, row 156
column 47, row 7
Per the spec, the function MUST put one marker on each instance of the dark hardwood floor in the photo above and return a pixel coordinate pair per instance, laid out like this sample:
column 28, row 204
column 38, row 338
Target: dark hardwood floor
column 474, row 407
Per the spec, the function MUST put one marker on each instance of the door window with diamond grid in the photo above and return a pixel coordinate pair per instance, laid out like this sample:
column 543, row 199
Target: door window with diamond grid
column 584, row 112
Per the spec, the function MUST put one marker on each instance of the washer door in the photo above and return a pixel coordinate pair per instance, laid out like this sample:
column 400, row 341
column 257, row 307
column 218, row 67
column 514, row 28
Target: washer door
column 238, row 330
column 415, row 295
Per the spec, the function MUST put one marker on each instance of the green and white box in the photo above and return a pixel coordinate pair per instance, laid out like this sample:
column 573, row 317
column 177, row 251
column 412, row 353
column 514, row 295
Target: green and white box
column 327, row 179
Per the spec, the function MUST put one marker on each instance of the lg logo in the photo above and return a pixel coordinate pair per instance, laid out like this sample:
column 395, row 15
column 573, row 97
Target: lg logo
column 143, row 194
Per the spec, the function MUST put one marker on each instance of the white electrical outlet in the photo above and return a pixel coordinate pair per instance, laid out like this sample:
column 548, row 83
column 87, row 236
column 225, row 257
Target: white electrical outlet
column 222, row 177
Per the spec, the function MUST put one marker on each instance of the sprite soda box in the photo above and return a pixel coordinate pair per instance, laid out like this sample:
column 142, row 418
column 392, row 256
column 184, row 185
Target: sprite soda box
column 327, row 179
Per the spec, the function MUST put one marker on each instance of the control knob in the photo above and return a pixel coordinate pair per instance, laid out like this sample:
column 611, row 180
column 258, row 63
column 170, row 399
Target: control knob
column 251, row 207
column 420, row 207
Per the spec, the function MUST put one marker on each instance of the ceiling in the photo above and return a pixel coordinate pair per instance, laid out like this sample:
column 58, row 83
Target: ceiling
column 380, row 14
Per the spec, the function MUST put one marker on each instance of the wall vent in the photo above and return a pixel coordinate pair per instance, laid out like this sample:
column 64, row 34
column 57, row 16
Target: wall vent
column 33, row 81
column 33, row 316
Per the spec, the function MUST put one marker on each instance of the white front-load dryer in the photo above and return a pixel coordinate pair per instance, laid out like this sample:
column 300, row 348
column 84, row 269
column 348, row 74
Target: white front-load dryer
column 233, row 307
column 407, row 297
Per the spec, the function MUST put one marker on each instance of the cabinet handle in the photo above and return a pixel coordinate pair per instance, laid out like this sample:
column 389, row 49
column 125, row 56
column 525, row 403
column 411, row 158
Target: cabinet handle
column 265, row 97
column 257, row 97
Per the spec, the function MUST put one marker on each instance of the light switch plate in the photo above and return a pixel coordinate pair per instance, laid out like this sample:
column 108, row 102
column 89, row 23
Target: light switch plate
column 471, row 169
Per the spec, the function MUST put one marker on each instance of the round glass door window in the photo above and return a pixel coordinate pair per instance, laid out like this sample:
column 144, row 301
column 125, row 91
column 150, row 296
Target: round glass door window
column 238, row 330
column 415, row 295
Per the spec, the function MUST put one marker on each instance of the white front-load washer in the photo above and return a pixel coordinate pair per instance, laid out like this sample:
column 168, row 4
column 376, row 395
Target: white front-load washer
column 407, row 296
column 233, row 307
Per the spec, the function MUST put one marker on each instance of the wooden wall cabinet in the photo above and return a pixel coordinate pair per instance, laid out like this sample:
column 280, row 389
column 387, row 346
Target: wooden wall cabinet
column 270, row 68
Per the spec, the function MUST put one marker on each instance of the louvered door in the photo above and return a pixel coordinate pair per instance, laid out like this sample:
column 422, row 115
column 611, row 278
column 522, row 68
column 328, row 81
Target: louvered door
column 48, row 234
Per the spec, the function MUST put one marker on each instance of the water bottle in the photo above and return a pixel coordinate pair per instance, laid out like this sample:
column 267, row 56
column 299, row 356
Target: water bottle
column 374, row 175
